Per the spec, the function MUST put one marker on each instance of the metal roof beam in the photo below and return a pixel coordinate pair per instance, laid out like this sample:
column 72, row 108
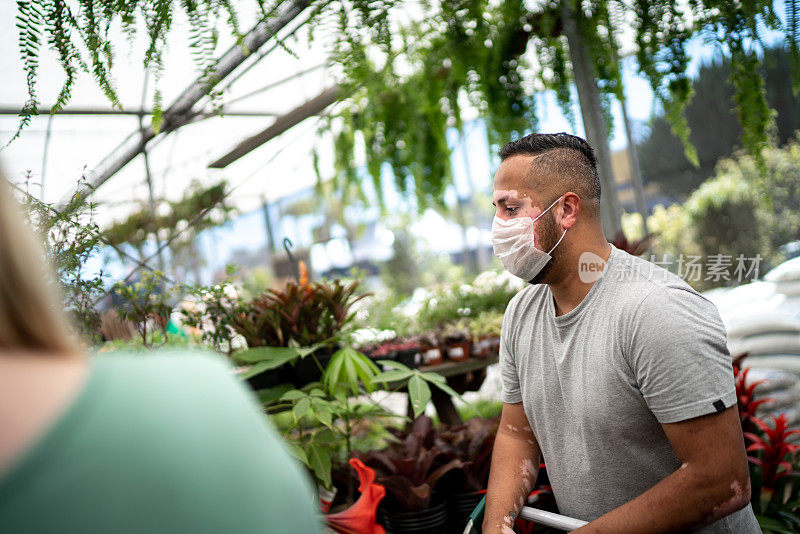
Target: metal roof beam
column 180, row 111
column 282, row 123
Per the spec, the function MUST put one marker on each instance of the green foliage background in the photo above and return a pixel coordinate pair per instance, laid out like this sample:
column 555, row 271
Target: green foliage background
column 741, row 210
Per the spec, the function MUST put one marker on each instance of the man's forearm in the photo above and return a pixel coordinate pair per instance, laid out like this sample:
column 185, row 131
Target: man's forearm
column 687, row 498
column 515, row 464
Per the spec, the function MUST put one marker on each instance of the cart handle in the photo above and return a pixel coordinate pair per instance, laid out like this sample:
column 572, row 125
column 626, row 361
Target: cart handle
column 534, row 515
column 550, row 519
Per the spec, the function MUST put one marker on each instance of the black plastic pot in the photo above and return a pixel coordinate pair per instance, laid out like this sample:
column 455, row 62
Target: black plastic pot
column 410, row 358
column 301, row 373
column 305, row 370
column 430, row 521
column 270, row 378
column 460, row 506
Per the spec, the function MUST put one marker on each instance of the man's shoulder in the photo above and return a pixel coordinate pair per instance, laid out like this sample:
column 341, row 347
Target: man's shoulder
column 649, row 290
column 645, row 282
column 525, row 297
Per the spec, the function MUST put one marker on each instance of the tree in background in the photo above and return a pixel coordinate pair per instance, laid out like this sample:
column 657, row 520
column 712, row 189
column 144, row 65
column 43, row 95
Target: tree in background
column 715, row 130
column 741, row 210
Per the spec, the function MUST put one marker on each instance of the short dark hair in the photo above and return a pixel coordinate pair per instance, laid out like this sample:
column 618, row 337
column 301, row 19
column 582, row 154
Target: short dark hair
column 564, row 162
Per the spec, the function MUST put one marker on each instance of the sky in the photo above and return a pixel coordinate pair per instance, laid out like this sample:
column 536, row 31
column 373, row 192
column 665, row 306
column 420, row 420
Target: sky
column 277, row 169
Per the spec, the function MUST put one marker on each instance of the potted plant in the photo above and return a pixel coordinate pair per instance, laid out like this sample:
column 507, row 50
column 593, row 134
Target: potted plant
column 430, row 349
column 471, row 442
column 457, row 343
column 485, row 330
column 774, row 477
column 411, row 472
column 323, row 425
column 304, row 314
column 409, row 352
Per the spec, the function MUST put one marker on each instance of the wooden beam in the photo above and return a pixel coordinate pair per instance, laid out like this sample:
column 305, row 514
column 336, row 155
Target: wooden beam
column 308, row 109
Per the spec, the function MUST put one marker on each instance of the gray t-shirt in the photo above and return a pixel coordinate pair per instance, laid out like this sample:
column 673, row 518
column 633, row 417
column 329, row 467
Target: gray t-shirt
column 642, row 348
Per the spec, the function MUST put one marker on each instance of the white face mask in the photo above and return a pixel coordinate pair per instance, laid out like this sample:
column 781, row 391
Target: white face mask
column 513, row 242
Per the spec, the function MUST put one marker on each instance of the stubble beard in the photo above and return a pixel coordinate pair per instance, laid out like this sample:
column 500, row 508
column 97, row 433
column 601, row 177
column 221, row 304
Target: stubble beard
column 548, row 237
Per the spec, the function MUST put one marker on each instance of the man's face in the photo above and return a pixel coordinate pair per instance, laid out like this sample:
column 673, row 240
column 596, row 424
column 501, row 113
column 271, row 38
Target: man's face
column 513, row 199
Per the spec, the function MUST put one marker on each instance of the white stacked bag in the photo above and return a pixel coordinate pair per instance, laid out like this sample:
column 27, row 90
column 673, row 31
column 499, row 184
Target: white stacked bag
column 762, row 319
column 771, row 338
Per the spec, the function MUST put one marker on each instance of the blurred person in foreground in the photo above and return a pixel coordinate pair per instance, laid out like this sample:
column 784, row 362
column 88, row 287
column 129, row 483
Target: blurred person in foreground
column 614, row 370
column 124, row 443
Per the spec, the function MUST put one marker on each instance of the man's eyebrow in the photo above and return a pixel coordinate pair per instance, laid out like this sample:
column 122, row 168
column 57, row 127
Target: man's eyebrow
column 501, row 200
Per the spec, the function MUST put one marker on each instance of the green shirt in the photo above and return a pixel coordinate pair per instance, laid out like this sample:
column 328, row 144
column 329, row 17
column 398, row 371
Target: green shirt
column 158, row 443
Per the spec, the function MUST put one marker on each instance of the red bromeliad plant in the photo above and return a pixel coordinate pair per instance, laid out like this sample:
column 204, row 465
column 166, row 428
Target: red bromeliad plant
column 302, row 313
column 775, row 483
column 774, row 480
column 777, row 452
column 745, row 397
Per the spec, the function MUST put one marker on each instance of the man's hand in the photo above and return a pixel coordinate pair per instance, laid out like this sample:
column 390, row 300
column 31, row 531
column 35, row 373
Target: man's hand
column 515, row 464
column 712, row 481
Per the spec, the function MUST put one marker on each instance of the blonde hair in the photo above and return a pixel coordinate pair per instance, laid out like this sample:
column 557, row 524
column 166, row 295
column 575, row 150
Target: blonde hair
column 31, row 310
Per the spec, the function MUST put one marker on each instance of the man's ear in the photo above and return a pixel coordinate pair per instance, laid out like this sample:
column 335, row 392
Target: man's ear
column 569, row 211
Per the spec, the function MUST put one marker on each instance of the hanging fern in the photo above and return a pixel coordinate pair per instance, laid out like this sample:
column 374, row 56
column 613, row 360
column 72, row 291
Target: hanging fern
column 461, row 49
column 409, row 89
column 78, row 32
column 30, row 22
column 735, row 27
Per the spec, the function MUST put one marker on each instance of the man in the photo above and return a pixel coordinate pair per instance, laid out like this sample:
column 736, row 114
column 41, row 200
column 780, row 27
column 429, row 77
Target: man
column 614, row 370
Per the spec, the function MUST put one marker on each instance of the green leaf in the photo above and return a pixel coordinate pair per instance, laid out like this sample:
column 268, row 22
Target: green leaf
column 297, row 451
column 419, row 393
column 293, row 395
column 320, row 463
column 301, row 408
column 270, row 395
column 326, row 437
column 433, row 377
column 322, row 411
column 280, row 355
column 769, row 525
column 256, row 369
column 330, row 376
column 391, row 376
column 350, row 376
column 394, row 365
column 440, row 382
column 339, row 392
column 347, row 365
column 365, row 370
